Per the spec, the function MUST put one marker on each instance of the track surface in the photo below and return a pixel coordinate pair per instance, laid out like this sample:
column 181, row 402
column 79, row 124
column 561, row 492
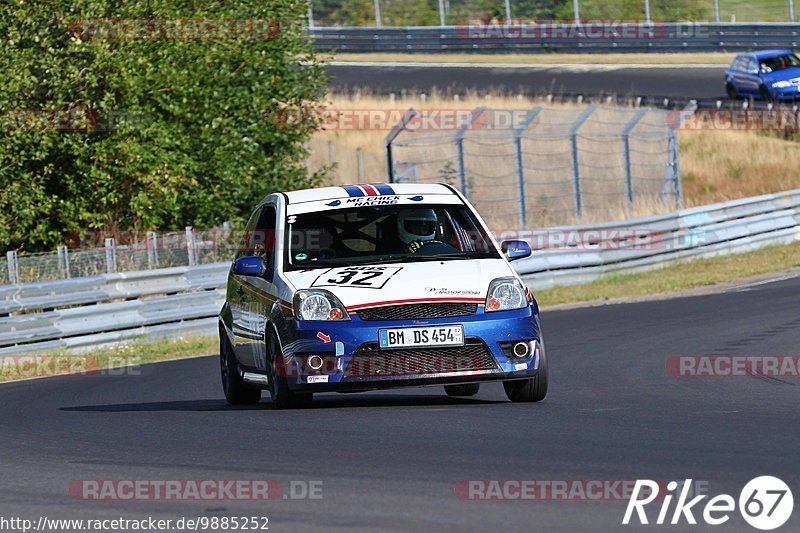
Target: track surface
column 673, row 82
column 390, row 460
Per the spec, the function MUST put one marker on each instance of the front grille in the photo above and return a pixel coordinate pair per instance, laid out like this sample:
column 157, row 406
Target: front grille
column 411, row 311
column 369, row 361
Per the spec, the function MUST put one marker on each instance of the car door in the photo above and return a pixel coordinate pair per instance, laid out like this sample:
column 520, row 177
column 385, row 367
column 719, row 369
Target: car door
column 257, row 294
column 751, row 80
column 236, row 294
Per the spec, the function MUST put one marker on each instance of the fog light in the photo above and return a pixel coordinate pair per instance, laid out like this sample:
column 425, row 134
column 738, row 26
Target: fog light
column 521, row 349
column 315, row 362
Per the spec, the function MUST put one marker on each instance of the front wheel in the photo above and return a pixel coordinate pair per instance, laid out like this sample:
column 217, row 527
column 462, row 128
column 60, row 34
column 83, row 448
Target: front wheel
column 764, row 92
column 282, row 396
column 236, row 391
column 530, row 390
column 730, row 90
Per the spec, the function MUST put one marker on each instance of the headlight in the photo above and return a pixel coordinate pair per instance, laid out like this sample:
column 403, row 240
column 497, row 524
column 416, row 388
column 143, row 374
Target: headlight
column 505, row 294
column 782, row 84
column 318, row 304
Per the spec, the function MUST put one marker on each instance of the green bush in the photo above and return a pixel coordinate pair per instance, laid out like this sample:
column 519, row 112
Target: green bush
column 164, row 132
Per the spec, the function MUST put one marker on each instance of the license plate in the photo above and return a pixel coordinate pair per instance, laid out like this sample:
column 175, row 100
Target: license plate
column 421, row 336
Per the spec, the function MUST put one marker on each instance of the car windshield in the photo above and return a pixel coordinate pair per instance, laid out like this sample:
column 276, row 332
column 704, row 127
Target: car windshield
column 785, row 61
column 385, row 234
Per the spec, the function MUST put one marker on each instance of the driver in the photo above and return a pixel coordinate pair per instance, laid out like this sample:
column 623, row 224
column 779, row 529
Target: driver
column 416, row 227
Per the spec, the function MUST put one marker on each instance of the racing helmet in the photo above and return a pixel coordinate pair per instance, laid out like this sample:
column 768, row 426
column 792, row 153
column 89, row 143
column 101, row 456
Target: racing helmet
column 416, row 225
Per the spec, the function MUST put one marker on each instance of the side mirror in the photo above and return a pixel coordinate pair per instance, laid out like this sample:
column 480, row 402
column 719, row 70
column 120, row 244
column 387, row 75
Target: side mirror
column 249, row 265
column 516, row 249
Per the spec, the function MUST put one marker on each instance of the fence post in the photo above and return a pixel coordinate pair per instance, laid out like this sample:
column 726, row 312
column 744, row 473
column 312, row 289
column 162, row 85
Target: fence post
column 395, row 131
column 190, row 247
column 332, row 158
column 152, row 249
column 576, row 173
column 360, row 164
column 13, row 266
column 673, row 185
column 626, row 151
column 63, row 261
column 647, row 11
column 791, row 10
column 508, row 12
column 441, row 13
column 111, row 255
column 519, row 167
column 459, row 141
column 378, row 13
column 716, row 11
column 577, row 11
column 310, row 17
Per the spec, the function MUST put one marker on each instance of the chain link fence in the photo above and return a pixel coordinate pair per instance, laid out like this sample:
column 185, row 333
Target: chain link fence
column 396, row 13
column 543, row 167
column 154, row 250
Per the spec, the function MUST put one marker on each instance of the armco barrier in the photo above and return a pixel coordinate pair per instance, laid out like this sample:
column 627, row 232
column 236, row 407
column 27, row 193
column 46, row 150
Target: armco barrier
column 671, row 37
column 84, row 312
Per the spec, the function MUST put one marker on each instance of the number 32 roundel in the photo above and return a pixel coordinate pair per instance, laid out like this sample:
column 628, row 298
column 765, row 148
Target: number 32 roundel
column 366, row 277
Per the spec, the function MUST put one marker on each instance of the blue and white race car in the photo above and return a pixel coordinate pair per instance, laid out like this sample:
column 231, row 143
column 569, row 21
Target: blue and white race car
column 364, row 287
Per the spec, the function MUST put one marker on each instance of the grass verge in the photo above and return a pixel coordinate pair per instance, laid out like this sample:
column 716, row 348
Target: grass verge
column 678, row 277
column 102, row 361
column 544, row 59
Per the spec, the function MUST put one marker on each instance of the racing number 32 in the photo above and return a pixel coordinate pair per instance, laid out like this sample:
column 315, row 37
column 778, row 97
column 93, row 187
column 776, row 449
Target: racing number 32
column 365, row 277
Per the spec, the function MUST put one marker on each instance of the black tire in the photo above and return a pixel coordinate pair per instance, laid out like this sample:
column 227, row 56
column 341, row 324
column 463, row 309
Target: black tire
column 468, row 389
column 237, row 392
column 530, row 390
column 762, row 90
column 730, row 90
column 282, row 396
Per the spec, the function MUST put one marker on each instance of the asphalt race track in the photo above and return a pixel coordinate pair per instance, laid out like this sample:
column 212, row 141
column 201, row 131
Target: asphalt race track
column 686, row 82
column 391, row 460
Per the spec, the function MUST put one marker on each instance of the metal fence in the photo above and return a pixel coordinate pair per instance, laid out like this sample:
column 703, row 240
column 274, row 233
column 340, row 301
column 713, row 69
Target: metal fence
column 547, row 166
column 567, row 38
column 154, row 251
column 449, row 12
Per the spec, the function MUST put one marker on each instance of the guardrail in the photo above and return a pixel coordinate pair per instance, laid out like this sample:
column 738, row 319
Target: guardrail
column 110, row 308
column 650, row 242
column 497, row 38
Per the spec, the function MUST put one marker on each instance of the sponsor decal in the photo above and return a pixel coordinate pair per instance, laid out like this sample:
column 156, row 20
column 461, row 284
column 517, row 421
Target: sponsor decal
column 323, row 337
column 443, row 291
column 317, row 379
column 520, row 366
column 372, row 200
column 334, row 203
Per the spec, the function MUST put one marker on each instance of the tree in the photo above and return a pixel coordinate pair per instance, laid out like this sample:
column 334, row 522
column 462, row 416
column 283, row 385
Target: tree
column 148, row 114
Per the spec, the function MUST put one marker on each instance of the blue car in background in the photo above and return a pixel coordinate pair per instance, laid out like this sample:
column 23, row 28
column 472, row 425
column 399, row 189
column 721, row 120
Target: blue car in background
column 767, row 74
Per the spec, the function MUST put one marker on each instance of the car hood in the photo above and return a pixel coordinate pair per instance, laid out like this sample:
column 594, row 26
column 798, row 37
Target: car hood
column 389, row 284
column 785, row 74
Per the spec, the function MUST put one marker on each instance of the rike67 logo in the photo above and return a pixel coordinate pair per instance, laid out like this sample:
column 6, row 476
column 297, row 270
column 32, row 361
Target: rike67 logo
column 765, row 503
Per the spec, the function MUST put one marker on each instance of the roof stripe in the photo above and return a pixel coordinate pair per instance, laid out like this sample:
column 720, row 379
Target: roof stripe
column 353, row 190
column 384, row 188
column 371, row 191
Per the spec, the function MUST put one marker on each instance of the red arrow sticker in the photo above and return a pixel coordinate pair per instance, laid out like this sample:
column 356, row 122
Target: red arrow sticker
column 324, row 338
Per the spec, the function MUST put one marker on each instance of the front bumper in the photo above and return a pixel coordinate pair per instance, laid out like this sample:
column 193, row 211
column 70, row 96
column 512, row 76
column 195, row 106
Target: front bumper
column 352, row 363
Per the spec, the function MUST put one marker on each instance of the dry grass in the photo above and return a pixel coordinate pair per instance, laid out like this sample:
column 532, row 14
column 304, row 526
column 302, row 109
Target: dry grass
column 544, row 59
column 677, row 277
column 716, row 165
column 725, row 165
